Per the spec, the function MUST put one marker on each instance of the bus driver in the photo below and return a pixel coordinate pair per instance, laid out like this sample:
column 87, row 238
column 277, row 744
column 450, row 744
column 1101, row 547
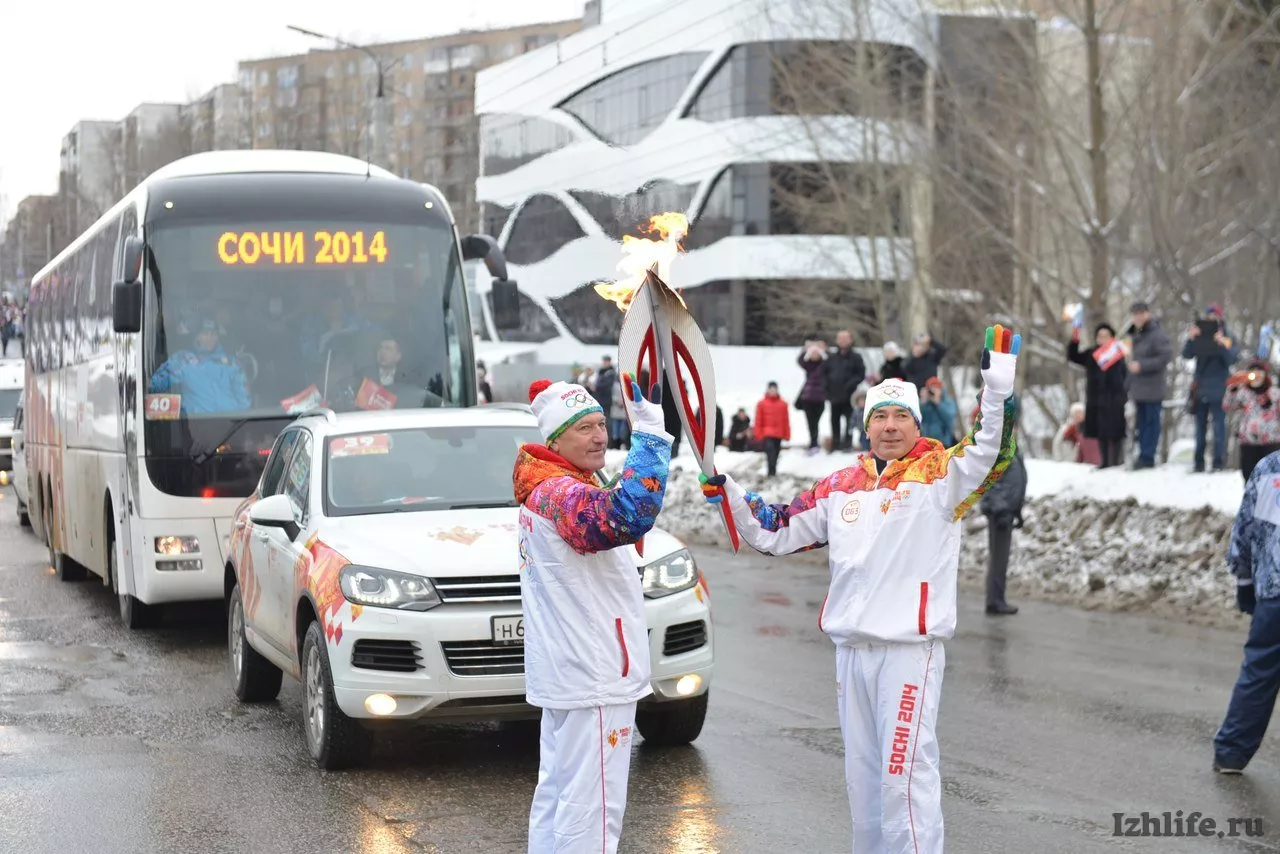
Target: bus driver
column 207, row 378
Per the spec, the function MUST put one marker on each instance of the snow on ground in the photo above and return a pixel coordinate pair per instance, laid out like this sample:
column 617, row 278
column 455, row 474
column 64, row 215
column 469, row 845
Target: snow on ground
column 1109, row 540
column 1166, row 486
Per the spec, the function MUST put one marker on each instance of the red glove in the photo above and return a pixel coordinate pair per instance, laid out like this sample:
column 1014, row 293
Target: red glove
column 1075, row 335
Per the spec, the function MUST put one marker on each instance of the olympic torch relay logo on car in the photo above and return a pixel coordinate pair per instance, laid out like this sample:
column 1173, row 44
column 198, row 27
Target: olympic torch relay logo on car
column 660, row 337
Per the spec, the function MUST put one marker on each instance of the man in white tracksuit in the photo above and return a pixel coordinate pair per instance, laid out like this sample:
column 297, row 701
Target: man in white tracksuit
column 585, row 637
column 892, row 521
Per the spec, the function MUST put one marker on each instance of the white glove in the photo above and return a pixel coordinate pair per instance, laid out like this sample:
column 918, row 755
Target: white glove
column 647, row 414
column 1000, row 361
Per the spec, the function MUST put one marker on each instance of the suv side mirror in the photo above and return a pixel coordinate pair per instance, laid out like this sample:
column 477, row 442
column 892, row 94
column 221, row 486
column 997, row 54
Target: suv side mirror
column 275, row 511
column 126, row 294
column 505, row 296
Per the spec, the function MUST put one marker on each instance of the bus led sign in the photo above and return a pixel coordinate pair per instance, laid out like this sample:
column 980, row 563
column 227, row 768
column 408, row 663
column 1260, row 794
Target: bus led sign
column 289, row 248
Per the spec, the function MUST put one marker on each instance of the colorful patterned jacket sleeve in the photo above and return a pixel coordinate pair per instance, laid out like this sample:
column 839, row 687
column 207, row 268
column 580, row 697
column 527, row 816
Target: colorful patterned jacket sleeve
column 981, row 457
column 780, row 529
column 592, row 519
column 1254, row 553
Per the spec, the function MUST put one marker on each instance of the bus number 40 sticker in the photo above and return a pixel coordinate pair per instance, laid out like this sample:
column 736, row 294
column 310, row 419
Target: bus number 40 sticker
column 163, row 407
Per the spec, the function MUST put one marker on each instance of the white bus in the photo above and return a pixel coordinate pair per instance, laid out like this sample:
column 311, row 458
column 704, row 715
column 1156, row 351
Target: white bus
column 170, row 343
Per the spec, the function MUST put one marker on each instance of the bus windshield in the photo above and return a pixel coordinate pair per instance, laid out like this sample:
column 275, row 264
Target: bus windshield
column 252, row 321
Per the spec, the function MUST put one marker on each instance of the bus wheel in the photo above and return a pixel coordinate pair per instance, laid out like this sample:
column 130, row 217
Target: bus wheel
column 134, row 613
column 64, row 567
column 137, row 614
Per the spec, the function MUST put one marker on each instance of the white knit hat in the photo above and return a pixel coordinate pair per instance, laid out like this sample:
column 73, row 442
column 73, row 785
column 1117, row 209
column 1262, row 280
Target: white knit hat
column 557, row 405
column 892, row 392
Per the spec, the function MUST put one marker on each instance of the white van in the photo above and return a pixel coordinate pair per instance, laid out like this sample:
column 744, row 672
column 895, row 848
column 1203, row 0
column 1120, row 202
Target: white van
column 11, row 373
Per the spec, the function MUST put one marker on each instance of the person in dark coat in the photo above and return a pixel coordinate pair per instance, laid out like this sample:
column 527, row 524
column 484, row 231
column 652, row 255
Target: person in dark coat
column 894, row 368
column 1106, row 392
column 1002, row 505
column 739, row 430
column 1148, row 380
column 926, row 357
column 1209, row 387
column 670, row 414
column 812, row 399
column 845, row 372
column 604, row 381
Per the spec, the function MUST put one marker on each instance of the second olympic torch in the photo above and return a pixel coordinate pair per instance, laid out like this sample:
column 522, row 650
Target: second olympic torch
column 660, row 338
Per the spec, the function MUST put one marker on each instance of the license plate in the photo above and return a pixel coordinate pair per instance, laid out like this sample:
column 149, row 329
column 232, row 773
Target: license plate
column 508, row 630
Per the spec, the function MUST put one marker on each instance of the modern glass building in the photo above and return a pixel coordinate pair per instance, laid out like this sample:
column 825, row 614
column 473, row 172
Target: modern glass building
column 801, row 210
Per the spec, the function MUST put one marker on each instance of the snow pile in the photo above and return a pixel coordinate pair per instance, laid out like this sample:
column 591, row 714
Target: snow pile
column 1111, row 540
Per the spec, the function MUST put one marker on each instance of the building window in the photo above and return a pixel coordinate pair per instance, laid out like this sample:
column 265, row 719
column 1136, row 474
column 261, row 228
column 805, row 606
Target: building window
column 246, row 79
column 408, row 62
column 351, row 67
column 508, row 142
column 408, row 90
column 264, row 131
column 813, row 78
column 263, row 78
column 287, row 76
column 619, row 215
column 588, row 316
column 493, row 218
column 625, row 107
column 541, row 227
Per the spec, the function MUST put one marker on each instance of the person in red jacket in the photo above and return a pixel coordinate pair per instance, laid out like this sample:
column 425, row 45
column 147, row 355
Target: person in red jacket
column 773, row 425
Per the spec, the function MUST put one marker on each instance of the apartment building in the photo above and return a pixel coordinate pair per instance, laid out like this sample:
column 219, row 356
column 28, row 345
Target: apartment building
column 424, row 128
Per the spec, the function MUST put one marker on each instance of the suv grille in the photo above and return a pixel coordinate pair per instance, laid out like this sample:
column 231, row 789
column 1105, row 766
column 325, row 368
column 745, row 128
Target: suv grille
column 483, row 658
column 395, row 655
column 685, row 637
column 479, row 588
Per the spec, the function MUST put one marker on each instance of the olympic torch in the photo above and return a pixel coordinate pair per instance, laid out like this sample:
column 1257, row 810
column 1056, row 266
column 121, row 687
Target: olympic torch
column 660, row 337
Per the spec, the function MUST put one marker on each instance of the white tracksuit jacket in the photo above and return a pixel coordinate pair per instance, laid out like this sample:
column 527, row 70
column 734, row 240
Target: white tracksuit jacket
column 894, row 536
column 586, row 639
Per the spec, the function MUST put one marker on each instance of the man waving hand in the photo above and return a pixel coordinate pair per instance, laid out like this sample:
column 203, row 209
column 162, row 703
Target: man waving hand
column 892, row 520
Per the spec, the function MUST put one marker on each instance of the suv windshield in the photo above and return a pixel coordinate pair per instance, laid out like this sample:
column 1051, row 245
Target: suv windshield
column 430, row 468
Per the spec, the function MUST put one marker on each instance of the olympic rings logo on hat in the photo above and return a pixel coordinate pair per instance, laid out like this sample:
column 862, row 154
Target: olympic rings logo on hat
column 573, row 401
column 894, row 392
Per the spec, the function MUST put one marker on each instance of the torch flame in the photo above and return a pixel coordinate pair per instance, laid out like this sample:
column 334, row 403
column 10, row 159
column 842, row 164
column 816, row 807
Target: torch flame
column 640, row 254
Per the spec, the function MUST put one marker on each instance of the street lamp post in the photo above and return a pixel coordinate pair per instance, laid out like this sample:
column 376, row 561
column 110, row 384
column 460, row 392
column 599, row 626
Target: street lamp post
column 378, row 148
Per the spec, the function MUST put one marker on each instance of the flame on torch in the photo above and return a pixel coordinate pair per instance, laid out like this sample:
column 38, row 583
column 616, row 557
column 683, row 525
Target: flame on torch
column 640, row 254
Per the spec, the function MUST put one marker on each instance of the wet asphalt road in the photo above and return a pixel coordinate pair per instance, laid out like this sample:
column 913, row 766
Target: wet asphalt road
column 1051, row 721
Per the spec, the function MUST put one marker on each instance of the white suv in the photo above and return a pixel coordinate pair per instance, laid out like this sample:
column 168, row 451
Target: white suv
column 377, row 562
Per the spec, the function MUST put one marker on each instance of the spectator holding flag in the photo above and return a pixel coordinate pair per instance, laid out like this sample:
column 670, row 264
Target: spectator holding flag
column 1106, row 390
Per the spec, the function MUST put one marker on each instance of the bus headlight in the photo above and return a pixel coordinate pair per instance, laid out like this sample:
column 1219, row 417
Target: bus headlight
column 177, row 545
column 670, row 574
column 383, row 588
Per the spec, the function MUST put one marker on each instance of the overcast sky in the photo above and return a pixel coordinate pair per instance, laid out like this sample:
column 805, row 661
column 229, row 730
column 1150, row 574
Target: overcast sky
column 62, row 63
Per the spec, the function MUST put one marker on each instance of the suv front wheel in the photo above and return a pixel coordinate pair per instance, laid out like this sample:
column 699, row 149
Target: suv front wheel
column 334, row 740
column 674, row 723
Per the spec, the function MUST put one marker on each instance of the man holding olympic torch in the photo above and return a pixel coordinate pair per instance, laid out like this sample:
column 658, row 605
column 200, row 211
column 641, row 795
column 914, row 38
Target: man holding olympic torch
column 892, row 521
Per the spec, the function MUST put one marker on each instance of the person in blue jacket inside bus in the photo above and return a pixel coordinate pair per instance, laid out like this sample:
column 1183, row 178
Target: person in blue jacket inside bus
column 207, row 378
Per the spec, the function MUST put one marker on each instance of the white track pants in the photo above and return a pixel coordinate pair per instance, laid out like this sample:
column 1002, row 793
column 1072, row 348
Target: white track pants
column 888, row 700
column 584, row 760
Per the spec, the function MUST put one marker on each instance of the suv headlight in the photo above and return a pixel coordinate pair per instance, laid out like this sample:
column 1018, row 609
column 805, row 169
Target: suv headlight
column 670, row 574
column 383, row 588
